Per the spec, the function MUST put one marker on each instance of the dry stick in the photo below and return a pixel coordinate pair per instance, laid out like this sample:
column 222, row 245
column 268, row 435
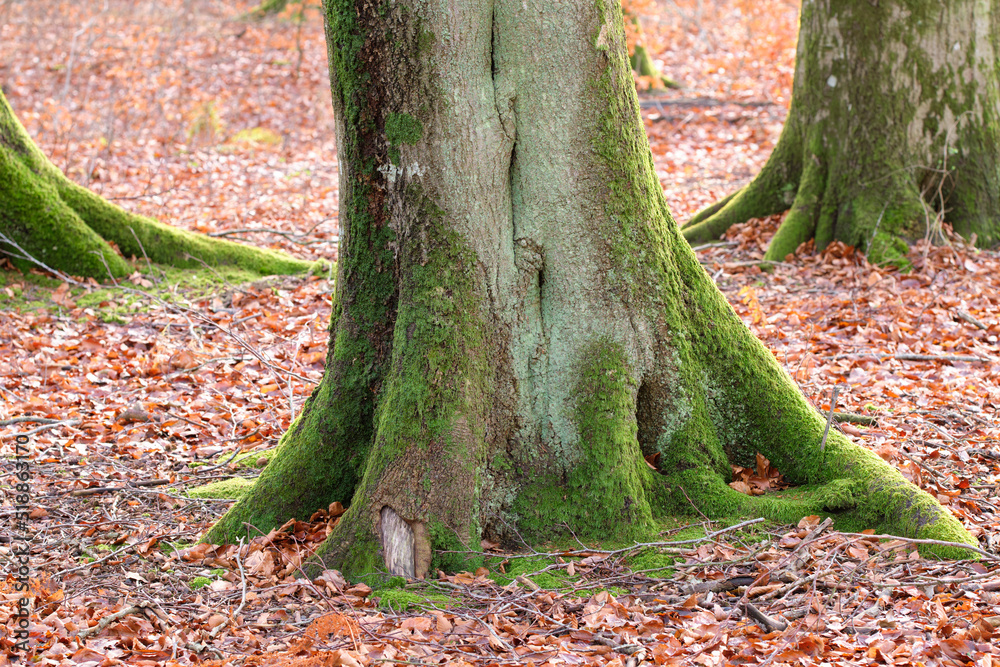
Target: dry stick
column 111, row 555
column 829, row 420
column 29, row 420
column 940, row 430
column 943, row 543
column 715, row 244
column 186, row 371
column 918, row 464
column 94, row 490
column 810, row 537
column 639, row 545
column 111, row 618
column 970, row 319
column 291, row 236
column 46, row 427
column 149, row 264
column 769, row 623
column 243, row 577
column 227, row 461
column 915, row 357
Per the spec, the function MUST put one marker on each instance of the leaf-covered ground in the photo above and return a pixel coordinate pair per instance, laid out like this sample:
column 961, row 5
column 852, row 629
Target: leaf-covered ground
column 176, row 109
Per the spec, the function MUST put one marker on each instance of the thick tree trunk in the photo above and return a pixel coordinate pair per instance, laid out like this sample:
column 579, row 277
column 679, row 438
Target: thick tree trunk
column 894, row 126
column 518, row 320
column 46, row 218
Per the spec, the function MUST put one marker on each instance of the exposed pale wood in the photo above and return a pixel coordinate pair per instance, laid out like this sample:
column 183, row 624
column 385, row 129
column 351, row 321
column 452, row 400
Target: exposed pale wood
column 397, row 543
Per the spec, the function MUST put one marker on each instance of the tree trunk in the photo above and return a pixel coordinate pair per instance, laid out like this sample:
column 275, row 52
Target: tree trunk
column 48, row 220
column 518, row 321
column 894, row 127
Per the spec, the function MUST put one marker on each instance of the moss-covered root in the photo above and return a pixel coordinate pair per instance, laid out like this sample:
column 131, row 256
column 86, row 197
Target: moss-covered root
column 643, row 64
column 264, row 9
column 756, row 407
column 46, row 217
column 139, row 236
column 767, row 194
column 800, row 224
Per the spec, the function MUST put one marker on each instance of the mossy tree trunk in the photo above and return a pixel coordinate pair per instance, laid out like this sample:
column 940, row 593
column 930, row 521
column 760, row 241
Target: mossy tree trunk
column 47, row 218
column 517, row 320
column 895, row 121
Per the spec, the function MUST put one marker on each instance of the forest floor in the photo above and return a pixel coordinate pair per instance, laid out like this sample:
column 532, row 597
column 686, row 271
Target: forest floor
column 179, row 110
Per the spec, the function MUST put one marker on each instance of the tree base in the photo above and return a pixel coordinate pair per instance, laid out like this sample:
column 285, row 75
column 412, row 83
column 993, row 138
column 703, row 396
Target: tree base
column 873, row 154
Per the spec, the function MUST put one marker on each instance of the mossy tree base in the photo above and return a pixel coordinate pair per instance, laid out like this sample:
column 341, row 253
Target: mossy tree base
column 518, row 321
column 893, row 128
column 643, row 65
column 46, row 217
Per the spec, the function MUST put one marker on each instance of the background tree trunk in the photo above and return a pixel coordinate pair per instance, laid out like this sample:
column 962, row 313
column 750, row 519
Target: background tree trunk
column 44, row 216
column 518, row 321
column 894, row 125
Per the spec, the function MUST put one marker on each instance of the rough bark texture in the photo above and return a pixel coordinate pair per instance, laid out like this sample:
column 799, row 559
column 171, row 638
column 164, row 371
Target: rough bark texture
column 44, row 216
column 517, row 318
column 894, row 126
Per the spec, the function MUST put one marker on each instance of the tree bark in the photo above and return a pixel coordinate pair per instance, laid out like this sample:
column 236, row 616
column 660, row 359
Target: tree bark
column 894, row 127
column 518, row 321
column 48, row 220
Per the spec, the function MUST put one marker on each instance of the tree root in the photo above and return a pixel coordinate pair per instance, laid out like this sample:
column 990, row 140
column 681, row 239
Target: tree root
column 46, row 217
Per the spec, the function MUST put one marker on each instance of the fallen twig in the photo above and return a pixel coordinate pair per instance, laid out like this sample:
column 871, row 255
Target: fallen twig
column 854, row 418
column 970, row 319
column 915, row 357
column 111, row 618
column 770, row 624
column 47, row 425
column 829, row 419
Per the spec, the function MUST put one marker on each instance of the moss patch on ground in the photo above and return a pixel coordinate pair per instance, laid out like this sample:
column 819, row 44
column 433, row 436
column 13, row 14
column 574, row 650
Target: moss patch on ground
column 397, row 599
column 27, row 291
column 234, row 488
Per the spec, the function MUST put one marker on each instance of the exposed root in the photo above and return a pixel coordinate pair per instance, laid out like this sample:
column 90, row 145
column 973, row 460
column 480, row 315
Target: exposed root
column 800, row 224
column 71, row 229
column 766, row 195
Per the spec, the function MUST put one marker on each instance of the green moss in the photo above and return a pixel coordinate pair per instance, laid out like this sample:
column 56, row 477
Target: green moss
column 256, row 136
column 653, row 562
column 234, row 487
column 394, row 582
column 605, row 492
column 802, row 220
column 171, row 548
column 199, row 582
column 249, row 459
column 401, row 128
column 448, row 552
column 68, row 227
column 887, row 249
column 398, row 600
column 643, row 64
column 28, row 291
column 265, row 9
column 437, row 332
